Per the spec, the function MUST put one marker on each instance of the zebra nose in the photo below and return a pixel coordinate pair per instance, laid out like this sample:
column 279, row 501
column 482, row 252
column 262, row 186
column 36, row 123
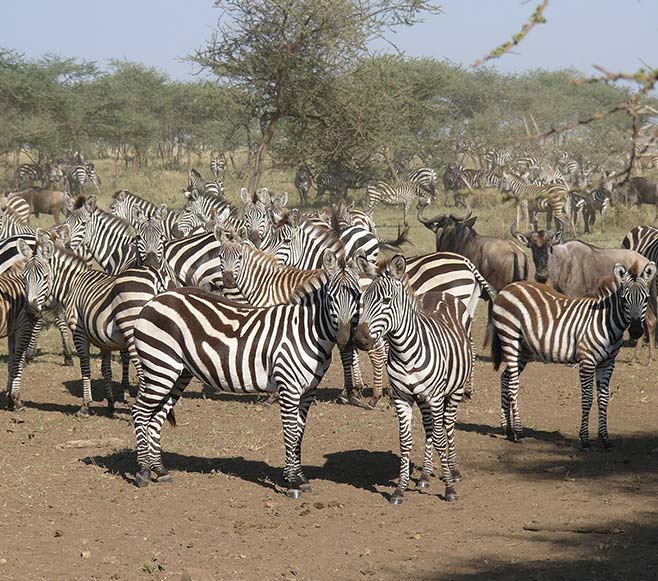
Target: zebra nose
column 229, row 279
column 362, row 338
column 151, row 260
column 254, row 237
column 343, row 335
column 636, row 330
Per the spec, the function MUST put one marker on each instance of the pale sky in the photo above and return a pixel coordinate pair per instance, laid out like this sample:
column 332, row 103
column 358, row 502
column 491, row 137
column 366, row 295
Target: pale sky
column 617, row 34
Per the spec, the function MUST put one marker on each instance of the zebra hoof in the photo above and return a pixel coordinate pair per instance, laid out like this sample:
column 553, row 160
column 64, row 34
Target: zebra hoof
column 396, row 498
column 271, row 400
column 372, row 403
column 143, row 478
column 456, row 475
column 424, row 481
column 342, row 398
column 585, row 447
column 451, row 494
column 84, row 412
column 607, row 446
column 68, row 361
column 161, row 476
column 294, row 493
column 305, row 486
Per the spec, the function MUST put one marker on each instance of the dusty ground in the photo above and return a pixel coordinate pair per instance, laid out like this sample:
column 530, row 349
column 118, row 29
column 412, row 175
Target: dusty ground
column 74, row 514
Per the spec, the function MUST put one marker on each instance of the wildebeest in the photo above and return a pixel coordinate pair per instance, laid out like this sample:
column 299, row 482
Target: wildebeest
column 42, row 201
column 499, row 261
column 638, row 191
column 574, row 268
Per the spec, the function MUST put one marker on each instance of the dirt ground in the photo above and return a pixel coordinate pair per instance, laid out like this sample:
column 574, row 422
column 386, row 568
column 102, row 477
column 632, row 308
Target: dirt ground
column 70, row 513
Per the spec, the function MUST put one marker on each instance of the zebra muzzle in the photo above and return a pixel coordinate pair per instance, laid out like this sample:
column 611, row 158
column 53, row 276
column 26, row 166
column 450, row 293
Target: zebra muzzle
column 636, row 329
column 362, row 337
column 343, row 335
column 33, row 309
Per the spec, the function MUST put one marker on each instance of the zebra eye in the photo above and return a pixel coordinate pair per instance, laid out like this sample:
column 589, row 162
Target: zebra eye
column 386, row 300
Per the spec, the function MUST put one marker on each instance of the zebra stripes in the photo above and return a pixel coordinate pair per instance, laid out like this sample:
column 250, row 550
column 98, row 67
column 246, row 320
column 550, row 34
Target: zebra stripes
column 218, row 165
column 429, row 362
column 424, row 178
column 214, row 189
column 532, row 322
column 303, row 182
column 79, row 176
column 399, row 193
column 188, row 333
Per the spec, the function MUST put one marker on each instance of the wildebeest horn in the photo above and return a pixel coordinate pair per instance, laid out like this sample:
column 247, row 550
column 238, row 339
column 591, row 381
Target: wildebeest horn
column 512, row 229
column 469, row 211
column 422, row 220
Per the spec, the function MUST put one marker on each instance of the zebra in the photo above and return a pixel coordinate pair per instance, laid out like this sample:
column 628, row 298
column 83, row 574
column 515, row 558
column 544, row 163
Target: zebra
column 497, row 158
column 401, row 193
column 531, row 199
column 303, row 183
column 28, row 173
column 186, row 333
column 532, row 322
column 338, row 182
column 218, row 165
column 100, row 308
column 591, row 203
column 343, row 216
column 643, row 239
column 429, row 362
column 18, row 206
column 424, row 178
column 196, row 183
column 80, row 175
column 11, row 224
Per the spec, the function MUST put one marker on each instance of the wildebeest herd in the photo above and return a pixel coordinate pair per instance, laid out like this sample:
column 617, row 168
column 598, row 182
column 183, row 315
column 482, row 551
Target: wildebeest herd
column 253, row 298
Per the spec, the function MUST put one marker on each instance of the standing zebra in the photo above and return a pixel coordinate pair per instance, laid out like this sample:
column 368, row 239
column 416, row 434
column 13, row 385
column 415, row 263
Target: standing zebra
column 424, row 178
column 303, row 183
column 218, row 165
column 17, row 206
column 429, row 362
column 196, row 183
column 188, row 333
column 532, row 322
column 497, row 159
column 338, row 182
column 399, row 193
column 79, row 176
column 100, row 308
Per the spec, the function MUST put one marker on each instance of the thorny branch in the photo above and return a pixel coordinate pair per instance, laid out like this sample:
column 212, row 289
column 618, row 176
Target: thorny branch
column 537, row 17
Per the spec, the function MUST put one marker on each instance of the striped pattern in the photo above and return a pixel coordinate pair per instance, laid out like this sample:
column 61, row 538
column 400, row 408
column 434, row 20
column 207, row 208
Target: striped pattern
column 497, row 158
column 303, row 182
column 187, row 333
column 399, row 193
column 532, row 322
column 429, row 363
column 79, row 176
column 218, row 165
column 424, row 178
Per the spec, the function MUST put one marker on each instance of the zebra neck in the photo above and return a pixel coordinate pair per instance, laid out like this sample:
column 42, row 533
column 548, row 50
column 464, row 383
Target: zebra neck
column 614, row 314
column 65, row 265
column 403, row 324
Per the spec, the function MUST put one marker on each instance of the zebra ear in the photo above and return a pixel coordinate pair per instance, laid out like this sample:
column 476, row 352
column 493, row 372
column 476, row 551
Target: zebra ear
column 244, row 195
column 24, row 248
column 161, row 212
column 397, row 266
column 192, row 196
column 120, row 195
column 220, row 234
column 329, row 261
column 620, row 272
column 63, row 234
column 47, row 249
column 42, row 236
column 264, row 196
column 69, row 204
column 294, row 218
column 139, row 217
column 362, row 265
column 282, row 200
column 90, row 204
column 649, row 272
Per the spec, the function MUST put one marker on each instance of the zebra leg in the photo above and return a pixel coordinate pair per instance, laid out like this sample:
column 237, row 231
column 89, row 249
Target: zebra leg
column 377, row 357
column 82, row 347
column 19, row 341
column 125, row 376
column 65, row 332
column 512, row 415
column 428, row 468
column 603, row 374
column 449, row 422
column 405, row 414
column 289, row 405
column 160, row 473
column 304, row 405
column 106, row 370
column 586, row 390
column 32, row 345
column 441, row 443
column 351, row 393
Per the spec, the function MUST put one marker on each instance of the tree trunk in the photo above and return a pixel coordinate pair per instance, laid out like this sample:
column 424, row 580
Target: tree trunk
column 257, row 169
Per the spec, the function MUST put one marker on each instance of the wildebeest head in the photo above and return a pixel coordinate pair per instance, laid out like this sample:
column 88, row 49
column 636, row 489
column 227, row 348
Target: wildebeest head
column 445, row 222
column 540, row 243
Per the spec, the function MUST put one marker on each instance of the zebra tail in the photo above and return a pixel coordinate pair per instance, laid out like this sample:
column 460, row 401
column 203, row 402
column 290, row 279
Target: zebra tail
column 394, row 245
column 489, row 333
column 171, row 417
column 525, row 267
column 496, row 350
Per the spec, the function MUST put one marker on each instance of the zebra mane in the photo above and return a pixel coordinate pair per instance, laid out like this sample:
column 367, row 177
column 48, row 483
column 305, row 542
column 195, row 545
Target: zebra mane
column 68, row 254
column 608, row 285
column 80, row 201
column 324, row 234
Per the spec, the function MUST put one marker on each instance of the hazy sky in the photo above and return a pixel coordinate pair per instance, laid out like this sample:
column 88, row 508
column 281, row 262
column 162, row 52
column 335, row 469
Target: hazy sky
column 618, row 34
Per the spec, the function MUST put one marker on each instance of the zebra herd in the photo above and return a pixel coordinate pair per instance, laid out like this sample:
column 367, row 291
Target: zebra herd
column 253, row 297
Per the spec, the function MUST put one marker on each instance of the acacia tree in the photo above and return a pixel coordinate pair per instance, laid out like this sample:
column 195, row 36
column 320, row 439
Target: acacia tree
column 284, row 55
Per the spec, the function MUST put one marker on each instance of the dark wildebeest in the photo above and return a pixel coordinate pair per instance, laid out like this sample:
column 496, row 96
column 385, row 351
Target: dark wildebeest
column 639, row 191
column 499, row 261
column 42, row 201
column 575, row 268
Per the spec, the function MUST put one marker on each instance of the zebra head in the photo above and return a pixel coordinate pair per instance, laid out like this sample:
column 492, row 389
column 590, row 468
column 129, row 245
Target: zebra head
column 229, row 256
column 385, row 302
column 286, row 243
column 150, row 236
column 256, row 216
column 634, row 288
column 342, row 296
column 37, row 275
column 78, row 221
column 120, row 206
column 187, row 223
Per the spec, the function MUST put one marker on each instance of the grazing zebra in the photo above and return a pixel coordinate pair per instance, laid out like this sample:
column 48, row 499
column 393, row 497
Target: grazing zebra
column 424, row 178
column 399, row 193
column 303, row 183
column 100, row 308
column 218, row 165
column 497, row 158
column 96, row 234
column 532, row 322
column 188, row 333
column 338, row 182
column 79, row 176
column 531, row 199
column 429, row 363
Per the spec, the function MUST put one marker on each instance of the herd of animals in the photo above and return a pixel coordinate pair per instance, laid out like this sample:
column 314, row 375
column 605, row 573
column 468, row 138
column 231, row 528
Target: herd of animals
column 253, row 298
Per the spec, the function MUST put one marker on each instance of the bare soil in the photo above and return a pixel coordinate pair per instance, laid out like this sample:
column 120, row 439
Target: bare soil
column 74, row 513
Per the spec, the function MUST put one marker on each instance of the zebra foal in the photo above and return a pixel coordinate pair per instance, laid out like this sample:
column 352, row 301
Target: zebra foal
column 429, row 363
column 188, row 333
column 532, row 322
